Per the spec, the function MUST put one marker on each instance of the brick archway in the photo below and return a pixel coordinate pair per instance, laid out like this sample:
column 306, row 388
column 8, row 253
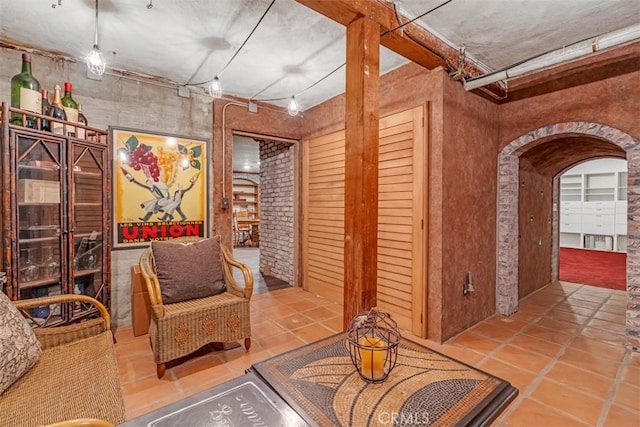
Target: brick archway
column 508, row 193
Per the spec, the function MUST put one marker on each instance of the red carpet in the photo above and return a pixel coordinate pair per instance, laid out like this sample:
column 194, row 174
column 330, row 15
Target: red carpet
column 592, row 267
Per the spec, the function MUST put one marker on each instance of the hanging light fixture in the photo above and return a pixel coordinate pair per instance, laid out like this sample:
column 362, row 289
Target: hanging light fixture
column 293, row 108
column 95, row 60
column 215, row 89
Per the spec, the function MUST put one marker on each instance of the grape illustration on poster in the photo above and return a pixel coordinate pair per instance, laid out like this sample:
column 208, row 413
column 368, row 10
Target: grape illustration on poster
column 159, row 192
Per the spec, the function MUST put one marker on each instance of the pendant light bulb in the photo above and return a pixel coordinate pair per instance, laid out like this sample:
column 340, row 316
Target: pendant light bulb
column 215, row 89
column 95, row 60
column 292, row 108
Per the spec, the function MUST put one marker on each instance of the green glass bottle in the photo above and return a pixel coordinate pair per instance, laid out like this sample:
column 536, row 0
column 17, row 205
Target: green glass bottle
column 70, row 108
column 25, row 93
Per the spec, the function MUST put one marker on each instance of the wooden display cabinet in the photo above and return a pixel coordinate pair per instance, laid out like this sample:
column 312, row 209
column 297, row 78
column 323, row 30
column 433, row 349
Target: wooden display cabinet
column 55, row 216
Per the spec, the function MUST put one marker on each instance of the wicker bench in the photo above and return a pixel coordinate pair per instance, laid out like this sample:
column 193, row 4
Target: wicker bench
column 75, row 377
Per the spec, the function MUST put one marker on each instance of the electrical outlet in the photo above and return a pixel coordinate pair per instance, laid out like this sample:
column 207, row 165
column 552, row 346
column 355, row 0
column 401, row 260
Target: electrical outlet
column 225, row 203
column 467, row 286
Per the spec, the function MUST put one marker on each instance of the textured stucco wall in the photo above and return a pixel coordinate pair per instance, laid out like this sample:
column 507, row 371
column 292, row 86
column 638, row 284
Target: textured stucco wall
column 613, row 102
column 469, row 169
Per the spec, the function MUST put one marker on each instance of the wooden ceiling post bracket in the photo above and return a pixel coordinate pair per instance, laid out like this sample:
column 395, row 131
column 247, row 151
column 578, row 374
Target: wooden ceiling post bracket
column 361, row 167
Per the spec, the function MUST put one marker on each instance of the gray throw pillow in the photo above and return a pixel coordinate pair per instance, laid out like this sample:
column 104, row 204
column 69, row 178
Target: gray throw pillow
column 188, row 270
column 19, row 347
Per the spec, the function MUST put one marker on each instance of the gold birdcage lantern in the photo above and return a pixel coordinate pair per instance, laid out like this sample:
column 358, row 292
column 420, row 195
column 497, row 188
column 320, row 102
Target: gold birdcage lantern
column 372, row 339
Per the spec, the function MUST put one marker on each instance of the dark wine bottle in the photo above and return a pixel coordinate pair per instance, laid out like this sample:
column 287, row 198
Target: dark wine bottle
column 70, row 108
column 82, row 248
column 82, row 119
column 25, row 94
column 45, row 124
column 57, row 112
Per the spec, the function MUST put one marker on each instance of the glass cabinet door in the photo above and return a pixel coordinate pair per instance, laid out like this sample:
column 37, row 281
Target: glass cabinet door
column 88, row 214
column 40, row 215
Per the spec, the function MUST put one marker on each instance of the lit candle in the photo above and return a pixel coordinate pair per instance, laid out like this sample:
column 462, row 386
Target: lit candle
column 372, row 357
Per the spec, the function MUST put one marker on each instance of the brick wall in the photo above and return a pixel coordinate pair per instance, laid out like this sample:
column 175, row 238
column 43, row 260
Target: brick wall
column 276, row 209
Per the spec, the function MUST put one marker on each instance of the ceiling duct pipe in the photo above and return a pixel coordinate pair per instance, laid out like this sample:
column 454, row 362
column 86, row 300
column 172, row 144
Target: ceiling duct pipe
column 555, row 57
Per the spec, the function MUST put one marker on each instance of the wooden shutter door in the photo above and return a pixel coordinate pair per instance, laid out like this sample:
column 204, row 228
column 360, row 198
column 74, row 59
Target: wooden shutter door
column 401, row 210
column 400, row 217
column 323, row 211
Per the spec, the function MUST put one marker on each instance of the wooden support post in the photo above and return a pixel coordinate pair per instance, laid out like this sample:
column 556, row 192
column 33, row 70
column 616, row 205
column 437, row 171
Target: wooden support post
column 361, row 167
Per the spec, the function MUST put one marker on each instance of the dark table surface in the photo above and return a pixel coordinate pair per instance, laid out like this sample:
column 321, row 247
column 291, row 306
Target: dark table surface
column 243, row 401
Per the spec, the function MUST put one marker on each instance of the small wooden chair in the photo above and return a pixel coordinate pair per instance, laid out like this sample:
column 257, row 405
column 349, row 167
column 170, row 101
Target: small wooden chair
column 241, row 233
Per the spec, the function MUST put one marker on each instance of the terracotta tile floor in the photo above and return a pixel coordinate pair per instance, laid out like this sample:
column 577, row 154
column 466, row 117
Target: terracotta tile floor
column 563, row 350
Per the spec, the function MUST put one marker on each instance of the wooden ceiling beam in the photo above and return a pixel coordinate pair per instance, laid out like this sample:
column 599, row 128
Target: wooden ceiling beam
column 412, row 41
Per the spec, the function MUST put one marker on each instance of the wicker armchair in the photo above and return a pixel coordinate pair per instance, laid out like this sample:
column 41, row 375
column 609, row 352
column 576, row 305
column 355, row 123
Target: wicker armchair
column 181, row 328
column 75, row 377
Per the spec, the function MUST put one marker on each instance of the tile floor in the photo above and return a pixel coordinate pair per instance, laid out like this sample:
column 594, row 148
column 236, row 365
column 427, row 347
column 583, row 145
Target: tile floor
column 563, row 350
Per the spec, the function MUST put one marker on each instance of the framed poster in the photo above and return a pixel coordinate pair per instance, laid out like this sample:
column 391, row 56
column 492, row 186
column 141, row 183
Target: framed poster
column 159, row 187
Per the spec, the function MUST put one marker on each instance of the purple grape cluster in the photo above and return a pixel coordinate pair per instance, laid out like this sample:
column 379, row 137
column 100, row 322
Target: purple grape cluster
column 140, row 158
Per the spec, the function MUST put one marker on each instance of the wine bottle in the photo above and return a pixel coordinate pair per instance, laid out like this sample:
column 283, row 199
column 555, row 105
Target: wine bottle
column 127, row 175
column 82, row 119
column 45, row 124
column 82, row 248
column 25, row 93
column 70, row 108
column 57, row 112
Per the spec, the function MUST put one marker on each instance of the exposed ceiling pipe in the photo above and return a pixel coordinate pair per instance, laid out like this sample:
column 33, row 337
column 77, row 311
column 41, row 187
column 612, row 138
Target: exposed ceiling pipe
column 555, row 57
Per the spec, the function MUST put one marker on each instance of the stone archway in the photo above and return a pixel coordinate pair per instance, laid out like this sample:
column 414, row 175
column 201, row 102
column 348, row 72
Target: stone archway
column 508, row 193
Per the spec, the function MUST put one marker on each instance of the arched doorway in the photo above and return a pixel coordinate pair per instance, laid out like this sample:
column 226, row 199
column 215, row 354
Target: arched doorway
column 588, row 235
column 599, row 135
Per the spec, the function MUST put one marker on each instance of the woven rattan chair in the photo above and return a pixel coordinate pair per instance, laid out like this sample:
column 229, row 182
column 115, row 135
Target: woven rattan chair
column 75, row 377
column 181, row 328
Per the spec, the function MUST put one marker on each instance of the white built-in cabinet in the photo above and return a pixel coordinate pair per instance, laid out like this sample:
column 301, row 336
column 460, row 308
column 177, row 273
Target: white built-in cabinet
column 593, row 206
